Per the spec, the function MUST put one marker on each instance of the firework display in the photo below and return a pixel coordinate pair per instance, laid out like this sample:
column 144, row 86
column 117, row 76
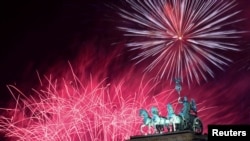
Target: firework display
column 69, row 110
column 76, row 106
column 163, row 60
column 181, row 35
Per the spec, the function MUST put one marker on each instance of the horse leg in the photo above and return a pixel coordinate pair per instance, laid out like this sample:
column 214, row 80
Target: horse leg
column 158, row 128
column 162, row 128
column 155, row 129
column 174, row 127
column 168, row 128
column 141, row 129
column 149, row 129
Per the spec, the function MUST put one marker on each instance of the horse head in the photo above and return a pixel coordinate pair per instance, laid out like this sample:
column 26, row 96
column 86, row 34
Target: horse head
column 170, row 109
column 154, row 111
column 143, row 113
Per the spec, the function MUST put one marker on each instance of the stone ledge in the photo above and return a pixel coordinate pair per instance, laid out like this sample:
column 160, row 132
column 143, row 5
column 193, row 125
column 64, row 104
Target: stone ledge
column 174, row 136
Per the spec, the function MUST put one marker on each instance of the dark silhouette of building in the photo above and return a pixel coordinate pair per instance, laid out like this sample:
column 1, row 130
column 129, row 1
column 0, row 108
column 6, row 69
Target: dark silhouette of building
column 174, row 136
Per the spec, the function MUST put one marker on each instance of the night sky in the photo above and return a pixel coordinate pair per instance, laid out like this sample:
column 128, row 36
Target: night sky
column 37, row 35
column 40, row 33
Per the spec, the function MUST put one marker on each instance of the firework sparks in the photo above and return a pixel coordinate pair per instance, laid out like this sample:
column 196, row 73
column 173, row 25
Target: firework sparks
column 96, row 112
column 184, row 36
column 68, row 111
column 78, row 107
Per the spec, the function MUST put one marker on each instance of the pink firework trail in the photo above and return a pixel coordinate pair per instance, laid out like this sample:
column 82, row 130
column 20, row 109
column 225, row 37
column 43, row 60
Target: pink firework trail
column 78, row 106
column 64, row 111
column 184, row 37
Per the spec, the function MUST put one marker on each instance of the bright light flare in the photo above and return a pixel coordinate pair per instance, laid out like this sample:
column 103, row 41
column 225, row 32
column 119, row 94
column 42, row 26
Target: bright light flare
column 184, row 37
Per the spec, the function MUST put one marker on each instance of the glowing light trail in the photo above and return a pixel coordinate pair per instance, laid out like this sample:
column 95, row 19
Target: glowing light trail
column 184, row 37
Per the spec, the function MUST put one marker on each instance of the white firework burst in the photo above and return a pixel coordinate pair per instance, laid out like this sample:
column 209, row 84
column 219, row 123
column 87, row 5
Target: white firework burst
column 184, row 36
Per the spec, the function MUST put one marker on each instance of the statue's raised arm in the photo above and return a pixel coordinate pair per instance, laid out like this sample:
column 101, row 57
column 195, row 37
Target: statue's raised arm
column 182, row 100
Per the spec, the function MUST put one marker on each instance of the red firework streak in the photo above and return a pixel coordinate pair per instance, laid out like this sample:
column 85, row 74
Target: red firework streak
column 83, row 103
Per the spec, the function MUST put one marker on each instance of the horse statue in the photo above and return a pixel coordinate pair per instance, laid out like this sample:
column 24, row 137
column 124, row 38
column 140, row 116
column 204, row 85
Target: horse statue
column 185, row 109
column 187, row 119
column 193, row 106
column 147, row 121
column 190, row 119
column 159, row 121
column 175, row 120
